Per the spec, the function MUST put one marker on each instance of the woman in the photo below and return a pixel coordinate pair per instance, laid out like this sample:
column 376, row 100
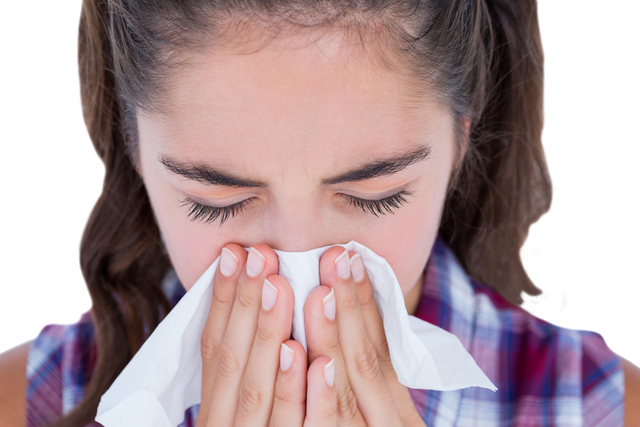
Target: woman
column 294, row 126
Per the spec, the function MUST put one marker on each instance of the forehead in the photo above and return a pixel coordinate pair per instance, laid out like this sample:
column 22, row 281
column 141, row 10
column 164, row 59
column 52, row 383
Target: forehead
column 312, row 93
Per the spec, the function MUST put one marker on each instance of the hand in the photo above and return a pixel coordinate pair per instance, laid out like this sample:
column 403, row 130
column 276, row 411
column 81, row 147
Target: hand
column 342, row 321
column 248, row 376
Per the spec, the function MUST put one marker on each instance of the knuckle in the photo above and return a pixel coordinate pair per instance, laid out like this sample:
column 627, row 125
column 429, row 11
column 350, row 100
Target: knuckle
column 283, row 396
column 284, row 404
column 346, row 407
column 245, row 299
column 332, row 345
column 208, row 348
column 264, row 335
column 366, row 364
column 228, row 363
column 367, row 301
column 350, row 304
column 220, row 297
column 383, row 353
column 251, row 397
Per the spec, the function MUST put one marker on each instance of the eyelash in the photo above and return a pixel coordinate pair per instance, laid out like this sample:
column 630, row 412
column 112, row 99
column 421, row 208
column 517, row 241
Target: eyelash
column 208, row 214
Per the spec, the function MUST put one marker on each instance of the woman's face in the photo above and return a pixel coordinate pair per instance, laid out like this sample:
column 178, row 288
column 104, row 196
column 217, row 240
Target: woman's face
column 294, row 132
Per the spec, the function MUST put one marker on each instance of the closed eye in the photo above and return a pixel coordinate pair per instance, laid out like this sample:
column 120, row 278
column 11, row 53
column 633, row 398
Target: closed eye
column 209, row 214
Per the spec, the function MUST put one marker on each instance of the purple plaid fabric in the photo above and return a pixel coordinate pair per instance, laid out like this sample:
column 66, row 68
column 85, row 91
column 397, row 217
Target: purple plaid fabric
column 546, row 375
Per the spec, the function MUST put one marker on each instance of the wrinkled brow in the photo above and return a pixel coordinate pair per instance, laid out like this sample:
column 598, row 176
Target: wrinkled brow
column 209, row 175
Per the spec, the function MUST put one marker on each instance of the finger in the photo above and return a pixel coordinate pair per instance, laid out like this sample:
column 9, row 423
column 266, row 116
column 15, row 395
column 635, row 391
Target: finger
column 255, row 398
column 373, row 396
column 322, row 340
column 236, row 344
column 370, row 312
column 232, row 260
column 321, row 394
column 291, row 386
column 375, row 330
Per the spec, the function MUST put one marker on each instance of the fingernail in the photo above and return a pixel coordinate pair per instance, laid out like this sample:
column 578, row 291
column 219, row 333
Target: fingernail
column 286, row 357
column 342, row 265
column 228, row 262
column 269, row 295
column 329, row 373
column 357, row 267
column 255, row 262
column 329, row 305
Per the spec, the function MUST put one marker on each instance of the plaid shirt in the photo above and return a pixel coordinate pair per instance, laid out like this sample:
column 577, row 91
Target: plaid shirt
column 546, row 375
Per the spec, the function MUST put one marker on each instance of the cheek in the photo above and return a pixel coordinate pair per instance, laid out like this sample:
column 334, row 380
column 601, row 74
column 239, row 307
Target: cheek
column 406, row 244
column 406, row 241
column 190, row 250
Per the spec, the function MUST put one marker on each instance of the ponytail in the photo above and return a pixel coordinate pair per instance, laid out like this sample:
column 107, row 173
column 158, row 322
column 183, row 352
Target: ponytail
column 121, row 254
column 503, row 185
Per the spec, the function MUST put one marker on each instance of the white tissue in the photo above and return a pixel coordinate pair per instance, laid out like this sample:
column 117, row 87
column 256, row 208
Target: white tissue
column 164, row 378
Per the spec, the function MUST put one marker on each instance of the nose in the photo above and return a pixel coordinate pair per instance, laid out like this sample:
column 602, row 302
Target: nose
column 296, row 232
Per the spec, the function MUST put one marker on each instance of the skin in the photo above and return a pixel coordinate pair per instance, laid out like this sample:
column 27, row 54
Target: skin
column 292, row 115
column 295, row 213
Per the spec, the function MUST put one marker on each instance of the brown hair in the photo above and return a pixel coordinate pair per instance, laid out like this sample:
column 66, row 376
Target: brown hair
column 483, row 57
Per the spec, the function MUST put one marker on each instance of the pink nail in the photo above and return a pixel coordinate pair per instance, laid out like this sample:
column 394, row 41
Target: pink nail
column 357, row 267
column 286, row 357
column 342, row 265
column 329, row 373
column 228, row 262
column 255, row 263
column 329, row 305
column 269, row 295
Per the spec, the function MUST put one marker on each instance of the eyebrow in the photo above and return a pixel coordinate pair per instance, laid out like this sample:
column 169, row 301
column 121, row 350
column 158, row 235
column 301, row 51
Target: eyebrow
column 210, row 176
